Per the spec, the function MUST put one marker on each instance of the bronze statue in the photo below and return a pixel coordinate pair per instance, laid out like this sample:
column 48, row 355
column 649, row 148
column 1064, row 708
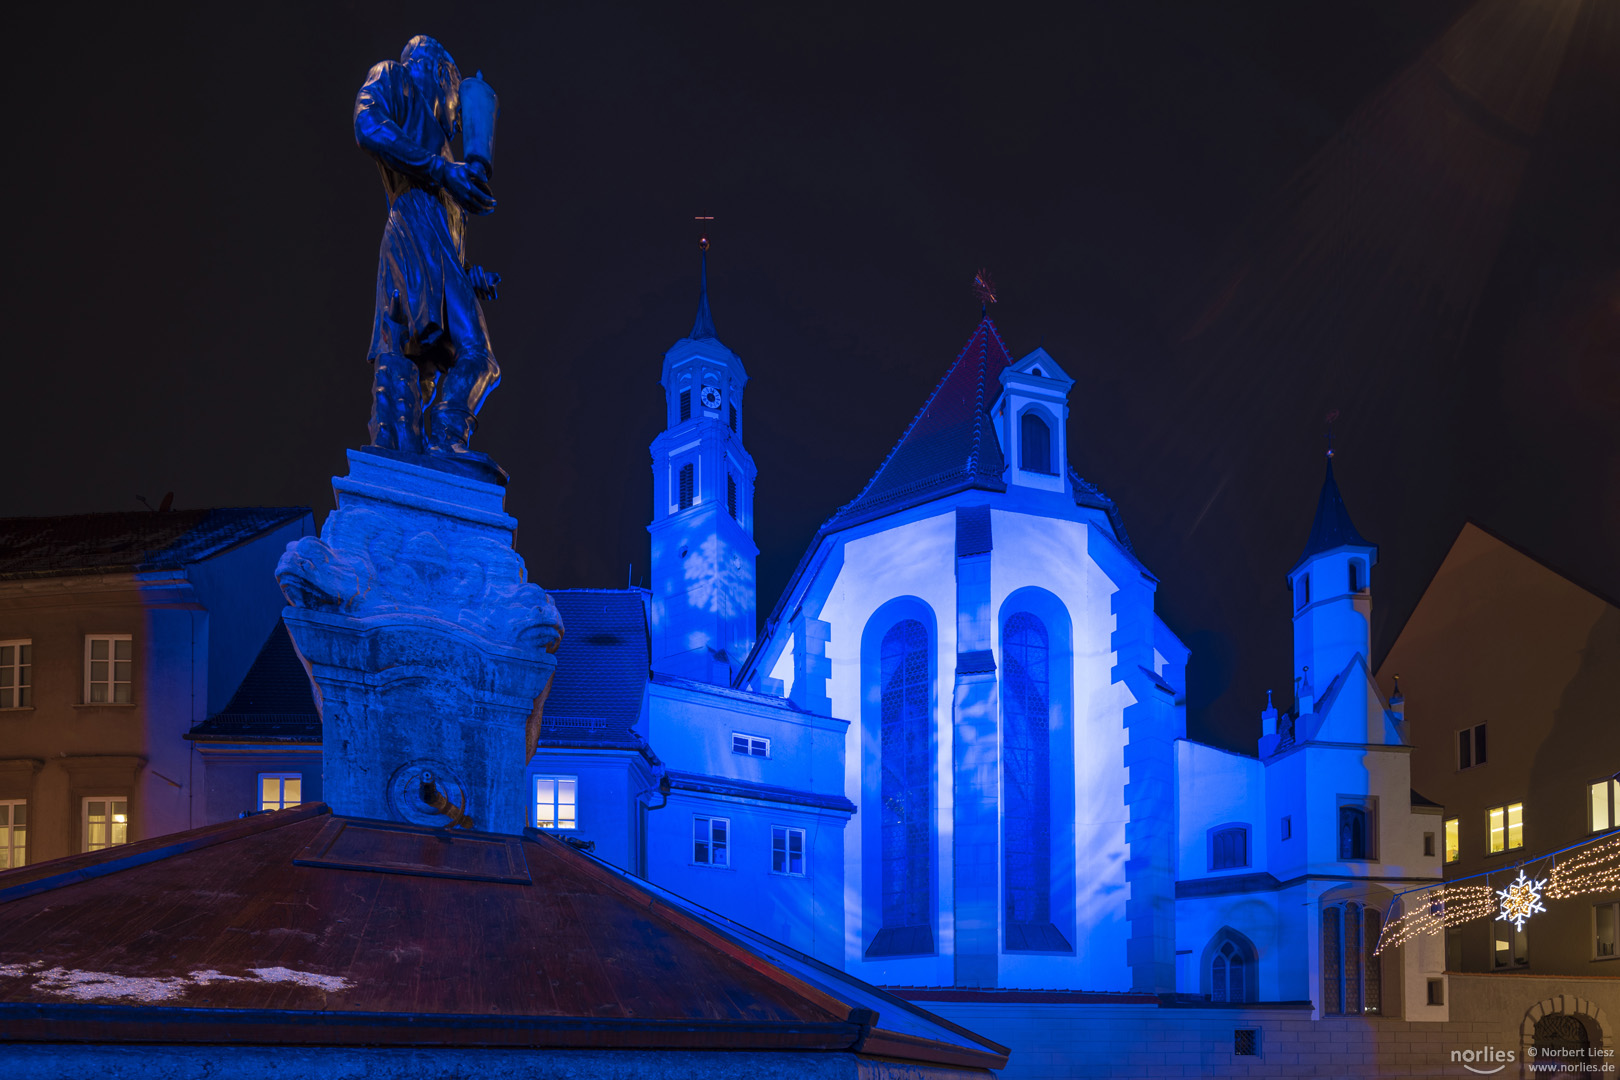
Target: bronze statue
column 429, row 345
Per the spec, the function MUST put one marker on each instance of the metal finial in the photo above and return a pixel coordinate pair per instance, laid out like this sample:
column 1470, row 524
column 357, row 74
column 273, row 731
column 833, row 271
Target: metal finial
column 985, row 289
column 1332, row 416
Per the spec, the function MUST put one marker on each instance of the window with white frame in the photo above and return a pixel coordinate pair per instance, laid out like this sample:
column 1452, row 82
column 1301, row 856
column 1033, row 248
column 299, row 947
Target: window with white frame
column 556, row 804
column 711, row 841
column 16, row 674
column 1505, row 827
column 277, row 791
column 104, row 821
column 752, row 745
column 1603, row 796
column 787, row 850
column 108, row 663
column 1605, row 930
column 1471, row 746
column 13, row 834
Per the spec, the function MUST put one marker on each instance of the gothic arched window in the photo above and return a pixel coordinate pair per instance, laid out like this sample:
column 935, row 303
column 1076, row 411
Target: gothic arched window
column 1034, row 443
column 1026, row 771
column 906, row 844
column 1228, row 974
column 1351, row 973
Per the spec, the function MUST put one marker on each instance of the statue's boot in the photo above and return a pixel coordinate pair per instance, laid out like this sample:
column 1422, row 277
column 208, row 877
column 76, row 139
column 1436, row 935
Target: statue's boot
column 450, row 431
column 453, row 416
column 396, row 404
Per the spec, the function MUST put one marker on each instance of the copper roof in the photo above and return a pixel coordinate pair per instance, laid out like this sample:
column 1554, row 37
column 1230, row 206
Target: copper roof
column 299, row 927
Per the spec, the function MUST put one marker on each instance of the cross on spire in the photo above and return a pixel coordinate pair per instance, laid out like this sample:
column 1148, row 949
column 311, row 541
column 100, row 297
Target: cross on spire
column 703, row 324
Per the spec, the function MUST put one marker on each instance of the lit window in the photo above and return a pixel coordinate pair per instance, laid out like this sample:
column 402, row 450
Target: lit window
column 105, row 821
column 686, row 486
column 16, row 674
column 1453, row 840
column 1605, row 802
column 1511, row 946
column 555, row 805
column 711, row 841
column 1506, row 825
column 13, row 834
column 277, row 791
column 1471, row 747
column 752, row 745
column 1229, row 848
column 1605, row 930
column 787, row 850
column 107, row 666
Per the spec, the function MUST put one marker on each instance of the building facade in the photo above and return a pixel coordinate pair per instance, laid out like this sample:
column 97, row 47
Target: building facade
column 118, row 634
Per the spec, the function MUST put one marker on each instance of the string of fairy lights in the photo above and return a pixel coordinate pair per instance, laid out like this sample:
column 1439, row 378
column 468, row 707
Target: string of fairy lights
column 1594, row 867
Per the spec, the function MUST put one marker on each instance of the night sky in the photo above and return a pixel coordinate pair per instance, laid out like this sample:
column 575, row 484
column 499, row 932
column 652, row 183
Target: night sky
column 1225, row 220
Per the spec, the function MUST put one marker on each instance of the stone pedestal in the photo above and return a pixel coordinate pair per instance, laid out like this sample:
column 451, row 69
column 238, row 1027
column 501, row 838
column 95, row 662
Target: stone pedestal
column 430, row 652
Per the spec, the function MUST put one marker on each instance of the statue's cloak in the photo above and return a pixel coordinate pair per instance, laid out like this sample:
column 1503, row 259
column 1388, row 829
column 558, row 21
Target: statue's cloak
column 426, row 307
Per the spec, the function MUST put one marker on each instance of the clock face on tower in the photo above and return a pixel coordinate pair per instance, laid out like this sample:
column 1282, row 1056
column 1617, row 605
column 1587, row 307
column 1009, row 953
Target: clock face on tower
column 710, row 396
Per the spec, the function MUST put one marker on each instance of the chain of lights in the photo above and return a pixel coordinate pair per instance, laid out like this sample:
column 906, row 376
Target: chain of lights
column 1437, row 909
column 1521, row 899
column 1597, row 869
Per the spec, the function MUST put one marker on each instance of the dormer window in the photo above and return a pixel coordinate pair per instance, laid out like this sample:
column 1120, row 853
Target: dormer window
column 1035, row 444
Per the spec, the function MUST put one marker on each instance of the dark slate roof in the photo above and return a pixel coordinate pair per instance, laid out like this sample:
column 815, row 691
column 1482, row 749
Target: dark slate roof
column 129, row 542
column 602, row 666
column 951, row 443
column 462, row 938
column 1332, row 527
column 274, row 702
column 1419, row 800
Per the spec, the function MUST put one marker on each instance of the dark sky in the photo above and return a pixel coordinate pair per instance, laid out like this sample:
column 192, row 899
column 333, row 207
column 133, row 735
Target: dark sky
column 1225, row 220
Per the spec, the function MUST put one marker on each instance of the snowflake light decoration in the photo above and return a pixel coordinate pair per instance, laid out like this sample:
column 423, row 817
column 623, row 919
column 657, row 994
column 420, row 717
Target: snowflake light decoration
column 1520, row 900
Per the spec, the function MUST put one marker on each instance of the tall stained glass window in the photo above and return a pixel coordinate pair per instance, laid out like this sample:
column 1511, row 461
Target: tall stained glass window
column 1026, row 771
column 908, row 875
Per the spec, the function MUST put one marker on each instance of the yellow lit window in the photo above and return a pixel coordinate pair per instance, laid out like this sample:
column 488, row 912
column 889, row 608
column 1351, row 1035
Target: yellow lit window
column 13, row 834
column 280, row 790
column 1506, row 827
column 1605, row 801
column 106, row 823
column 1453, row 841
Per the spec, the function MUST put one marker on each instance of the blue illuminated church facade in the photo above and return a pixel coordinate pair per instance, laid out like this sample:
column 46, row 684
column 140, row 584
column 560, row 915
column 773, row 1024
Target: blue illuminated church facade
column 955, row 760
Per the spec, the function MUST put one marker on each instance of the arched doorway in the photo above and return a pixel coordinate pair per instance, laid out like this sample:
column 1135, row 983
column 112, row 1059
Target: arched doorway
column 1562, row 1037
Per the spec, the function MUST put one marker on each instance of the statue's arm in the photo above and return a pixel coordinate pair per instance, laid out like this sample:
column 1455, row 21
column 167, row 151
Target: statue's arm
column 378, row 132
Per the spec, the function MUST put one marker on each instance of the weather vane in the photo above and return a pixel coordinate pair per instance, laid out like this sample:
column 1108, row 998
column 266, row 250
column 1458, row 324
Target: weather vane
column 985, row 289
column 703, row 239
column 1329, row 418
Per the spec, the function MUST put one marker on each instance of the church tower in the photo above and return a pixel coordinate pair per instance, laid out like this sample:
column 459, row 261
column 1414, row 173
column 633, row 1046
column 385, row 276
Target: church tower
column 703, row 509
column 1332, row 597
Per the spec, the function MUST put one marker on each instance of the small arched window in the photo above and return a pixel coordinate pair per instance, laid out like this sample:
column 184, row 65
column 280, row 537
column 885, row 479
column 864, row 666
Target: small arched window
column 1035, row 444
column 1230, row 969
column 1229, row 847
column 1353, row 832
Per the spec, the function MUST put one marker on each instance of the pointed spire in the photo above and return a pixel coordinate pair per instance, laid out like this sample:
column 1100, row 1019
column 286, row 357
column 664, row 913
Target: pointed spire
column 1332, row 527
column 703, row 325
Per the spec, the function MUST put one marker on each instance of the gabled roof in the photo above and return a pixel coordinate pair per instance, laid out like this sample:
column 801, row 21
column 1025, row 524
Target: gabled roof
column 1332, row 527
column 274, row 702
column 367, row 933
column 951, row 443
column 602, row 667
column 138, row 541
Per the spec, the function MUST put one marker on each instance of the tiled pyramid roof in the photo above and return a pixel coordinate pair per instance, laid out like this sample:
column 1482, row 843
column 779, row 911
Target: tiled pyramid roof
column 1332, row 526
column 274, row 702
column 602, row 666
column 128, row 542
column 951, row 444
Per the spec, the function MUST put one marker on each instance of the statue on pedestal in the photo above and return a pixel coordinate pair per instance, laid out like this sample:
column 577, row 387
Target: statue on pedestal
column 429, row 346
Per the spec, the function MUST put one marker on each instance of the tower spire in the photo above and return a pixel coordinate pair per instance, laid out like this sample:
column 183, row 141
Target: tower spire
column 703, row 324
